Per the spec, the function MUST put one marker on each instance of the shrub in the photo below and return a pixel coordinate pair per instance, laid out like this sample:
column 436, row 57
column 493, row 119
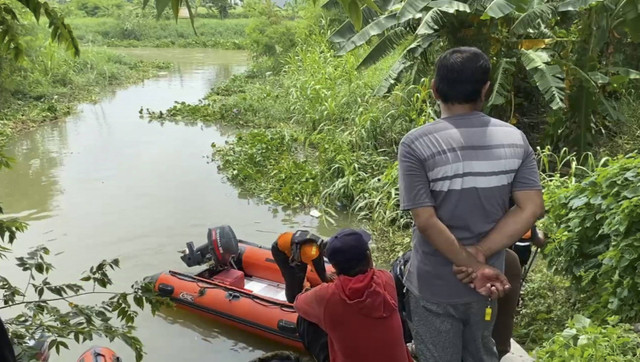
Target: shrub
column 596, row 239
column 131, row 31
column 547, row 302
column 586, row 341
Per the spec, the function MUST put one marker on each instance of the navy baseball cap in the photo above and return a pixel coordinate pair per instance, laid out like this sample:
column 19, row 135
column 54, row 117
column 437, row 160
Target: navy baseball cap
column 348, row 248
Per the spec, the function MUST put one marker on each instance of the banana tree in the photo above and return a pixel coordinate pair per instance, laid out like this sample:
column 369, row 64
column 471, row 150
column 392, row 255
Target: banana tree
column 563, row 49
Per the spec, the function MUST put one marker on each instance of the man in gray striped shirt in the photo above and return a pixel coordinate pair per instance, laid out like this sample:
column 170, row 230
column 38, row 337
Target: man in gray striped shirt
column 456, row 176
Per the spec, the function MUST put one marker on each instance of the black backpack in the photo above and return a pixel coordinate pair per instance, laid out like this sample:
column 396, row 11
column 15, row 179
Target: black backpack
column 398, row 269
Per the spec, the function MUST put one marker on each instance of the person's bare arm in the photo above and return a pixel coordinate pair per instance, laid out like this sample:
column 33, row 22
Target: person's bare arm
column 529, row 206
column 442, row 239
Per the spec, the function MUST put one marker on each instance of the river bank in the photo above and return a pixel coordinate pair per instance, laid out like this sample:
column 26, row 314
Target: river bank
column 50, row 83
column 147, row 32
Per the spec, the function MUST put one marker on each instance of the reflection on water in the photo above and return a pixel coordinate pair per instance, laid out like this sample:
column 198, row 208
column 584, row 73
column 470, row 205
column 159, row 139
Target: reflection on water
column 106, row 184
column 28, row 188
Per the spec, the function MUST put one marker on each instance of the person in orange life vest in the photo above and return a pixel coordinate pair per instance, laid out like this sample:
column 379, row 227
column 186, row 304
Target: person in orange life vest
column 358, row 311
column 292, row 252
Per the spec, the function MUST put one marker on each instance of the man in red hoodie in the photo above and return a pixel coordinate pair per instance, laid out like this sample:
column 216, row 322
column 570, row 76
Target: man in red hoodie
column 358, row 311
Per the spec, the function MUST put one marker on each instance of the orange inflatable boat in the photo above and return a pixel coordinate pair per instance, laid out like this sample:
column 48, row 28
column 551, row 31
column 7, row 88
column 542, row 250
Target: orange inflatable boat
column 241, row 286
column 99, row 354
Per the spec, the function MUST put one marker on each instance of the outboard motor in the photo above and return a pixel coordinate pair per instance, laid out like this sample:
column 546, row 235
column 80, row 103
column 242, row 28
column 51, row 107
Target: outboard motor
column 220, row 249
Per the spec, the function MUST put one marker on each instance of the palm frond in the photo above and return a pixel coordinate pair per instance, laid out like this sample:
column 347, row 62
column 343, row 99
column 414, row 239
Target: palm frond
column 549, row 79
column 408, row 59
column 384, row 47
column 534, row 18
column 534, row 58
column 376, row 27
column 572, row 5
column 411, row 8
column 450, row 6
column 431, row 22
column 347, row 30
column 502, row 82
column 499, row 8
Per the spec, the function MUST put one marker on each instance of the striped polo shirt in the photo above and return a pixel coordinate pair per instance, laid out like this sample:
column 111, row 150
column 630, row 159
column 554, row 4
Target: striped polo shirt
column 466, row 167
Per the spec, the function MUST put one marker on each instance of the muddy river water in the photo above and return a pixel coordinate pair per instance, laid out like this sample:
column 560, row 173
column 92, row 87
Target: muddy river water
column 106, row 183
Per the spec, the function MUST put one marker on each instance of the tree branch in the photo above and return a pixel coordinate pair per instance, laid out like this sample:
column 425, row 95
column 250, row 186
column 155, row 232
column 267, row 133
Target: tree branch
column 60, row 298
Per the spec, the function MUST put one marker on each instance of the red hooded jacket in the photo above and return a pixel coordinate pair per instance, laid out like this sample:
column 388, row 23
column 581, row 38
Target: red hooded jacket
column 360, row 316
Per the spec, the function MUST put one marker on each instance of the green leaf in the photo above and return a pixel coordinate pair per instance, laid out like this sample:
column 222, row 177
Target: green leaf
column 549, row 80
column 502, row 82
column 534, row 58
column 598, row 77
column 355, row 14
column 161, row 5
column 384, row 47
column 139, row 301
column 377, row 27
column 572, row 5
column 175, row 8
column 569, row 333
column 498, row 9
column 633, row 28
column 431, row 22
column 410, row 9
column 346, row 30
column 408, row 58
column 626, row 72
column 191, row 16
column 581, row 321
column 533, row 18
column 632, row 192
column 450, row 6
column 372, row 5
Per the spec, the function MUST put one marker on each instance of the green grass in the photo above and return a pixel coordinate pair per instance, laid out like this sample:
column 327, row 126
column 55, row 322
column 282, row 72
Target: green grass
column 141, row 32
column 50, row 82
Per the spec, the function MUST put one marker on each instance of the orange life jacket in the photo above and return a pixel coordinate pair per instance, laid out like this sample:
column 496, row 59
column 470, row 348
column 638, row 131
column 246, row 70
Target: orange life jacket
column 308, row 251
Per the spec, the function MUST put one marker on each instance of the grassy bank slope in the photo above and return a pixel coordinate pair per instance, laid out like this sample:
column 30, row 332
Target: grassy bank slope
column 141, row 32
column 49, row 83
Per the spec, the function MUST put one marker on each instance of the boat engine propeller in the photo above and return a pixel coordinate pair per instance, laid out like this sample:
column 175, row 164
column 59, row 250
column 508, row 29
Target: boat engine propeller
column 219, row 250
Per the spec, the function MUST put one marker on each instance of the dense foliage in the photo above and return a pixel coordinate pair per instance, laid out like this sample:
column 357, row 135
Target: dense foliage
column 547, row 302
column 314, row 134
column 589, row 342
column 140, row 31
column 596, row 242
column 558, row 60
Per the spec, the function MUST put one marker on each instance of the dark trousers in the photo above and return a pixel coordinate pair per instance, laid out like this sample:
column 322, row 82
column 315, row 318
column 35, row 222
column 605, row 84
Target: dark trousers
column 294, row 275
column 503, row 328
column 314, row 339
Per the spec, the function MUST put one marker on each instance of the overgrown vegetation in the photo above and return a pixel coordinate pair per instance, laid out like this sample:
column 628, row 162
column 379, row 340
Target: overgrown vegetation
column 314, row 134
column 560, row 63
column 50, row 82
column 137, row 31
column 586, row 341
column 597, row 236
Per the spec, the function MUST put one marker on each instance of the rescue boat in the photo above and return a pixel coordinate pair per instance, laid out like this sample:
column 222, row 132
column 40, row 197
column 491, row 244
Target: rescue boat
column 99, row 354
column 241, row 285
